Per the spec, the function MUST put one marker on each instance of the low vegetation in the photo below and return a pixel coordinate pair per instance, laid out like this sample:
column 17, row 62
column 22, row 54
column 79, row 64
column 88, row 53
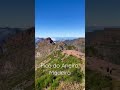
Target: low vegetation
column 51, row 81
column 97, row 81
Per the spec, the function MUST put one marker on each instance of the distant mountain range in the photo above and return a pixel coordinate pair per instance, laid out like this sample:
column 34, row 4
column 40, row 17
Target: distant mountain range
column 55, row 39
column 37, row 39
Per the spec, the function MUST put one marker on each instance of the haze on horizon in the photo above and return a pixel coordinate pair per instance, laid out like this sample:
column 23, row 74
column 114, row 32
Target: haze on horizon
column 60, row 18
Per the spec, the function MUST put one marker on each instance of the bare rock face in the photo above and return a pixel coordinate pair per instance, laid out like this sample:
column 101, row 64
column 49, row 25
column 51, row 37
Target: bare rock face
column 45, row 47
column 50, row 40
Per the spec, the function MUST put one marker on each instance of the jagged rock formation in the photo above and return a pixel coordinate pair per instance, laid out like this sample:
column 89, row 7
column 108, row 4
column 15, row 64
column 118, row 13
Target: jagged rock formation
column 50, row 40
column 47, row 46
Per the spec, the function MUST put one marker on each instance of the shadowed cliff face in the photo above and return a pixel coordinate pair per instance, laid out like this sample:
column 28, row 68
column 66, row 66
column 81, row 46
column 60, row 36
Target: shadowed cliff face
column 104, row 44
column 103, row 59
column 50, row 40
column 17, row 60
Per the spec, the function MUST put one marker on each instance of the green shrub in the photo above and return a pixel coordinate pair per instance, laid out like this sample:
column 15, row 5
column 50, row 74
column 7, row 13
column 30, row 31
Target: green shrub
column 44, row 80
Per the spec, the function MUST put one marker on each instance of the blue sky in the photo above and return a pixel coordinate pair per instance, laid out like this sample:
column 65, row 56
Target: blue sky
column 60, row 18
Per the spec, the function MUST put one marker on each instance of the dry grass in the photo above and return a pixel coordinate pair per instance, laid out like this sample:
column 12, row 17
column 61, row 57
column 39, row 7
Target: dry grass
column 71, row 86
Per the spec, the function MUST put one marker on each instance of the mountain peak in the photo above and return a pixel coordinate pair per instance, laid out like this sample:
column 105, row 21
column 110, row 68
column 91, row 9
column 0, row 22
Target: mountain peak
column 49, row 40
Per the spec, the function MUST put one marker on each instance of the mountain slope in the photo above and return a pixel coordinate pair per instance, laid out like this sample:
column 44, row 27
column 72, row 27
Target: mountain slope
column 63, row 69
column 59, row 66
column 17, row 61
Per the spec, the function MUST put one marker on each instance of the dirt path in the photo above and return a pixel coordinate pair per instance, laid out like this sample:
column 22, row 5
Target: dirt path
column 78, row 55
column 74, row 53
